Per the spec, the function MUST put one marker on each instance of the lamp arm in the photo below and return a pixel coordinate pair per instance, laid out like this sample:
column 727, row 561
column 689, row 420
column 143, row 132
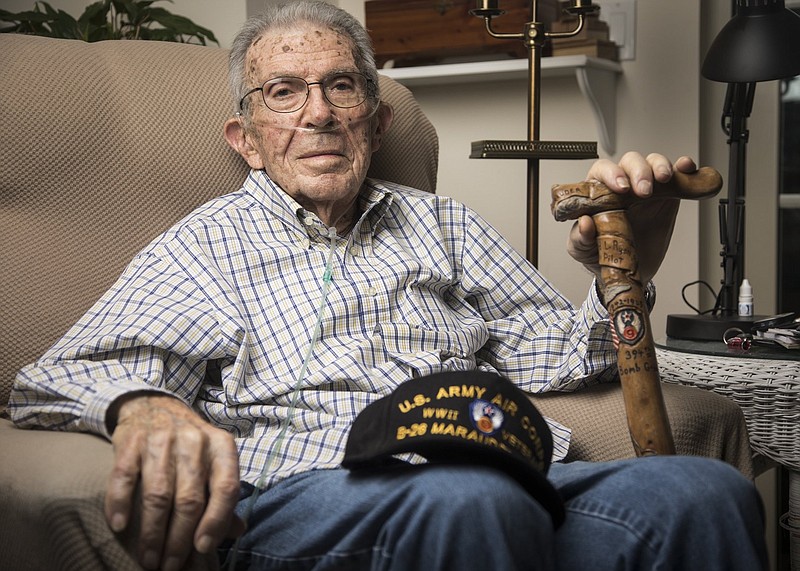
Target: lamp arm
column 500, row 35
column 738, row 106
column 532, row 30
column 575, row 32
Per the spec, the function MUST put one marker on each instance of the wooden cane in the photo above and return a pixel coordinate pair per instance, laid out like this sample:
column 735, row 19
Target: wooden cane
column 623, row 294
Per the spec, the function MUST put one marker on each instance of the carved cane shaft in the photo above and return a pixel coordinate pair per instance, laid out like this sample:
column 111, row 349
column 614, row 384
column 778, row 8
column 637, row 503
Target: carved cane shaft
column 636, row 357
column 624, row 296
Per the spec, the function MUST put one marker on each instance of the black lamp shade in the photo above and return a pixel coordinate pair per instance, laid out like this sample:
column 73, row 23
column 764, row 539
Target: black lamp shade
column 760, row 43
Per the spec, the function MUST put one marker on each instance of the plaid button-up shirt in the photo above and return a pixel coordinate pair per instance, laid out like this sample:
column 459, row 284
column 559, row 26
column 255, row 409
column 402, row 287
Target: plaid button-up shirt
column 220, row 310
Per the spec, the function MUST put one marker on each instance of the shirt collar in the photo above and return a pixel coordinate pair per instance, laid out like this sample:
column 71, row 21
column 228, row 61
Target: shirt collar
column 374, row 201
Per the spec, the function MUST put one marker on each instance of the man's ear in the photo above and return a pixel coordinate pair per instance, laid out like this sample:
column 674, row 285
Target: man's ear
column 239, row 141
column 385, row 115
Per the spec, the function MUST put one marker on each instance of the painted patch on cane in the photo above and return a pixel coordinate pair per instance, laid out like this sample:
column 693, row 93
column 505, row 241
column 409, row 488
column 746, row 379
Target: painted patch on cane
column 487, row 417
column 629, row 326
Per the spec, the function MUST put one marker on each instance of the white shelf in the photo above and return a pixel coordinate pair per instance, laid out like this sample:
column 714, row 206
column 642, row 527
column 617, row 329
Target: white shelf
column 597, row 80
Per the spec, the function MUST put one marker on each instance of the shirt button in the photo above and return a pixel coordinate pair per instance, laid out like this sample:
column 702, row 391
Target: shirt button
column 372, row 291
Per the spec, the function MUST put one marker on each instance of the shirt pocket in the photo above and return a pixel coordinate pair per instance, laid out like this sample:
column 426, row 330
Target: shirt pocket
column 427, row 335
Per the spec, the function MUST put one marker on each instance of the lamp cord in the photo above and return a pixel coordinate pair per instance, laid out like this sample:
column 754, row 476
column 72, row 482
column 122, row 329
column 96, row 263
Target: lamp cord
column 717, row 298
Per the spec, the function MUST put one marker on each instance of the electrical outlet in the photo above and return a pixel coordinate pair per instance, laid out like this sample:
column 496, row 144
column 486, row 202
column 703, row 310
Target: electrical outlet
column 620, row 15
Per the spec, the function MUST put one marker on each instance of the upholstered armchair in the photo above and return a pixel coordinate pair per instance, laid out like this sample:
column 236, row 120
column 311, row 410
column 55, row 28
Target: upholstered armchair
column 102, row 147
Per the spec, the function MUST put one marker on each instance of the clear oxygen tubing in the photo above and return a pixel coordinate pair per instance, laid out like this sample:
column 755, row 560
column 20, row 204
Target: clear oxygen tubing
column 326, row 281
column 334, row 125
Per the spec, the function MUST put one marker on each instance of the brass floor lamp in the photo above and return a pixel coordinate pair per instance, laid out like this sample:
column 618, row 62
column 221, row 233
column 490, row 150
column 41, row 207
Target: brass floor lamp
column 533, row 150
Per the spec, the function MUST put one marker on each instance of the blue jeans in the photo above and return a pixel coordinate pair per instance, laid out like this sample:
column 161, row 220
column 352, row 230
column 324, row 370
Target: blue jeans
column 678, row 513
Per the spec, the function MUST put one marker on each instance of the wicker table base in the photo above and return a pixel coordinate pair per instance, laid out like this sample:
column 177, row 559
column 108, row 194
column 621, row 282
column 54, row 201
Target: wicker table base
column 766, row 385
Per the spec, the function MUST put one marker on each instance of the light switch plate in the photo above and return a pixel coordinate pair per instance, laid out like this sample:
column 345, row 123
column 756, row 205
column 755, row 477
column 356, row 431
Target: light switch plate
column 620, row 15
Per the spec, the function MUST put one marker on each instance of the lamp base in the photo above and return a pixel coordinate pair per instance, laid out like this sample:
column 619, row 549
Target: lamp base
column 707, row 327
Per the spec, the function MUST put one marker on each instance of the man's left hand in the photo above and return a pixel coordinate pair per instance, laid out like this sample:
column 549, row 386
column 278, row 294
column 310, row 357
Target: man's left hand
column 652, row 220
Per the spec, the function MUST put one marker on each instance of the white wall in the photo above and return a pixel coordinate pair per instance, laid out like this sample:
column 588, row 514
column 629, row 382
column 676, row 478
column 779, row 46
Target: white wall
column 222, row 18
column 72, row 7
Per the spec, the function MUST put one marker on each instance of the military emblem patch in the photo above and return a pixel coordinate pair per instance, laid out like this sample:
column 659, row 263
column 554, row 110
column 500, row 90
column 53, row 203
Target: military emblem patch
column 629, row 326
column 487, row 417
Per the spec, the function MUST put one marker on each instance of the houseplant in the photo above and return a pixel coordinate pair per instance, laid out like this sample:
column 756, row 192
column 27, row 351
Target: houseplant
column 108, row 20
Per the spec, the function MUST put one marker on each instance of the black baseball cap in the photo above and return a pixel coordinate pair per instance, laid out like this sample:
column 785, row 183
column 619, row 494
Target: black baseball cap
column 462, row 417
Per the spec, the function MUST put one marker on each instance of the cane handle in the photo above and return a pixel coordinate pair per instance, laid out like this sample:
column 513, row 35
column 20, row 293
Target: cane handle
column 571, row 201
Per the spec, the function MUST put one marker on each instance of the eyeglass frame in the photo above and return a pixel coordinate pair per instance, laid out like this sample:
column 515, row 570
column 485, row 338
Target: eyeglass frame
column 367, row 92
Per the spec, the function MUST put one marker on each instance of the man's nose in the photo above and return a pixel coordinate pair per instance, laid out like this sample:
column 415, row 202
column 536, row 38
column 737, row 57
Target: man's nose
column 318, row 109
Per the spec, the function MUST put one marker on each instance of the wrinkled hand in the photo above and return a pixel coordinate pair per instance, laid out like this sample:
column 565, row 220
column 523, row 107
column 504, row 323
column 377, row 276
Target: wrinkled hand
column 188, row 471
column 651, row 220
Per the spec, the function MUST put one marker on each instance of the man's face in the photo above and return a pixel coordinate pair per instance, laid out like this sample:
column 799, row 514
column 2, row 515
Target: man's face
column 322, row 169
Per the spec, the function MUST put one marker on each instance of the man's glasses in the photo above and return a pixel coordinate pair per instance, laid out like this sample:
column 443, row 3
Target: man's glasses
column 288, row 94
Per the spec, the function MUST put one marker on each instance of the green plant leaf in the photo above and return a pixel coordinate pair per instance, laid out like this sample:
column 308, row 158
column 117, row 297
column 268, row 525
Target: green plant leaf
column 181, row 26
column 63, row 25
column 28, row 22
column 108, row 19
column 93, row 22
column 49, row 10
column 95, row 14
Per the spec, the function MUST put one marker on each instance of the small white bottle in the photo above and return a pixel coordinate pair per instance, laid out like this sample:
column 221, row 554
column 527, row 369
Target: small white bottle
column 745, row 299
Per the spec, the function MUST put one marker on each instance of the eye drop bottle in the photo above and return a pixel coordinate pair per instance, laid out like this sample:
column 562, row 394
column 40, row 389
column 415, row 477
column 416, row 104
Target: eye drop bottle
column 745, row 299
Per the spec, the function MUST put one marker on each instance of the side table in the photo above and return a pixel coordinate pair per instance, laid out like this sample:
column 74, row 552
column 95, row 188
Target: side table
column 765, row 382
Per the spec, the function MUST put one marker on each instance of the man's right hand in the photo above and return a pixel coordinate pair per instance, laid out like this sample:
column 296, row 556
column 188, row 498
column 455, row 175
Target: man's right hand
column 188, row 471
column 651, row 220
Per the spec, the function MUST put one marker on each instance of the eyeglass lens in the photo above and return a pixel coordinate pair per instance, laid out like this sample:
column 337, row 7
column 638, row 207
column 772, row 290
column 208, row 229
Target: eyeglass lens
column 287, row 94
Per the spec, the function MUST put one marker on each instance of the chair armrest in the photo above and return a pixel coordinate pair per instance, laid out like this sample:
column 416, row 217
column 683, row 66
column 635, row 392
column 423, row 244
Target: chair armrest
column 54, row 484
column 703, row 424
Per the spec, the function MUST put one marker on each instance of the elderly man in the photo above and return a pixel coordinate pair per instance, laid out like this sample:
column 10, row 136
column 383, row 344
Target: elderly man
column 230, row 360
